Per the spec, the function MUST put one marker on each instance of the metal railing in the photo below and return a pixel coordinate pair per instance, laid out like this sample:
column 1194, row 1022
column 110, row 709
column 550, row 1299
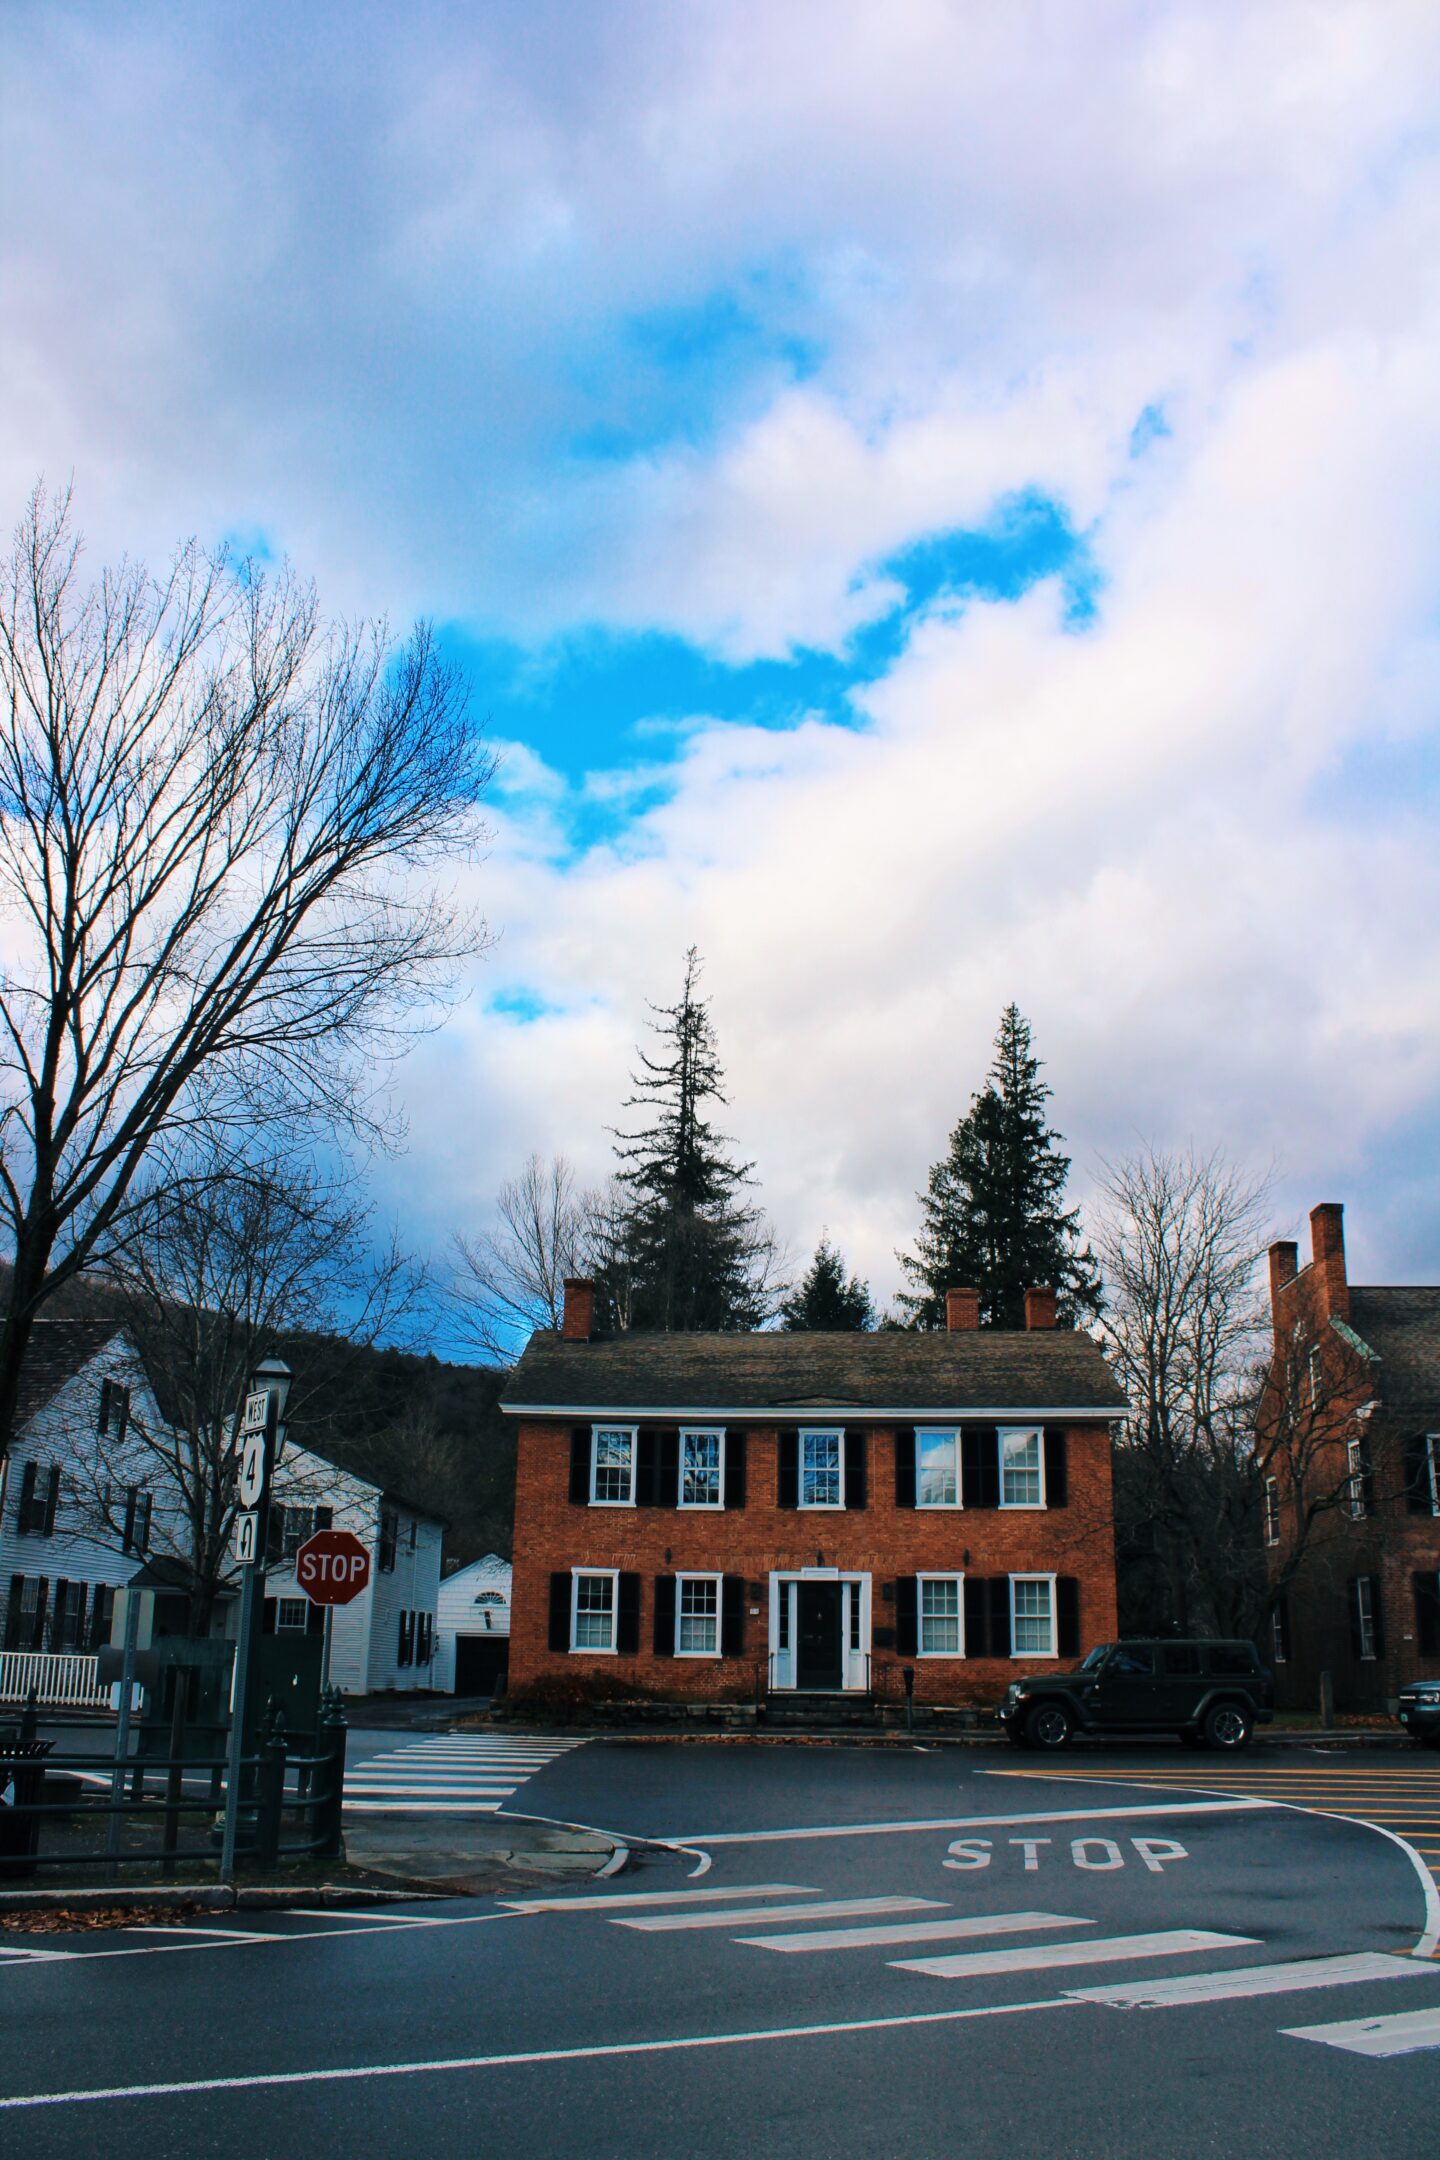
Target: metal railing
column 59, row 1679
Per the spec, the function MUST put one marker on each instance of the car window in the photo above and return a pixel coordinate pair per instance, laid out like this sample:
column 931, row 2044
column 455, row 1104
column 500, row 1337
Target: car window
column 1095, row 1657
column 1230, row 1657
column 1180, row 1658
column 1127, row 1659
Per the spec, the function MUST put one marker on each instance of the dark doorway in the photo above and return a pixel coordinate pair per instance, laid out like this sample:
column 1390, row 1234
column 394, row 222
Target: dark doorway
column 480, row 1660
column 819, row 1661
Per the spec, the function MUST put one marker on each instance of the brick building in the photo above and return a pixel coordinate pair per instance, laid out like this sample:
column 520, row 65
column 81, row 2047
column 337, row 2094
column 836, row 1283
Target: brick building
column 1350, row 1437
column 714, row 1515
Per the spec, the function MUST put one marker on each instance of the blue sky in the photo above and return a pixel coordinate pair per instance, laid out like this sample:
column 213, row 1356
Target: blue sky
column 933, row 503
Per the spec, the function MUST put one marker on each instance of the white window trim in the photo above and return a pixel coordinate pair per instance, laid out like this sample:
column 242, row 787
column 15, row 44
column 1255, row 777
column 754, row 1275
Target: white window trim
column 1021, row 1507
column 1028, row 1575
column 292, row 1627
column 1365, row 1615
column 701, row 1507
column 1355, row 1480
column 820, row 1432
column 940, row 1507
column 633, row 1433
column 700, row 1575
column 939, row 1575
column 578, row 1649
column 1271, row 1507
column 1432, row 1466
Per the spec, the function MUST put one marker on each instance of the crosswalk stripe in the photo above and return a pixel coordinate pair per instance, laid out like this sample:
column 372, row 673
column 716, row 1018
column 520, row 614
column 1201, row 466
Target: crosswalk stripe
column 1294, row 1978
column 913, row 1931
column 746, row 1916
column 448, row 1774
column 1042, row 1957
column 609, row 1898
column 1405, row 2034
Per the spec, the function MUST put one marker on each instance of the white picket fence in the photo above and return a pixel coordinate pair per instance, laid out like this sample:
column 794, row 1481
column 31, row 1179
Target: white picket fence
column 62, row 1680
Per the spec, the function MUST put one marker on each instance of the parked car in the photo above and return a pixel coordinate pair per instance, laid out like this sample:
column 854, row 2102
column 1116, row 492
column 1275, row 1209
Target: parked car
column 1209, row 1692
column 1418, row 1710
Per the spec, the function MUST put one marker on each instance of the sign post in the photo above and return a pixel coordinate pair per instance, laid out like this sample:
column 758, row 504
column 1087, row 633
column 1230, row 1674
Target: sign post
column 257, row 1435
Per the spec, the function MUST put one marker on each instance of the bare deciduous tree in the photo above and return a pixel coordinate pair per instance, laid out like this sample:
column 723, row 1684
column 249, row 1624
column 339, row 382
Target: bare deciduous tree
column 511, row 1279
column 219, row 822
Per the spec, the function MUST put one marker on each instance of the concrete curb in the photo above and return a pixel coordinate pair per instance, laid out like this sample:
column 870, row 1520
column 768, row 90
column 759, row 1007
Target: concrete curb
column 203, row 1897
column 850, row 1736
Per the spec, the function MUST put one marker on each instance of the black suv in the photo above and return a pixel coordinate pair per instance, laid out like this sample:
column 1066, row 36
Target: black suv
column 1208, row 1692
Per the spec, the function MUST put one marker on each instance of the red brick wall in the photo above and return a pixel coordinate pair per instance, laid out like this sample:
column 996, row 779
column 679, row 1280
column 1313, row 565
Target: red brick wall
column 881, row 1540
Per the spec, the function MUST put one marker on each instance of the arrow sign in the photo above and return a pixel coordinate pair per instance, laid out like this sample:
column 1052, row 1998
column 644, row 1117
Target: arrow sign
column 246, row 1539
column 332, row 1567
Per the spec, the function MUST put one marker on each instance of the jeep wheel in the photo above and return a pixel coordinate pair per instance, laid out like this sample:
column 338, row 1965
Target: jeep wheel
column 1227, row 1726
column 1048, row 1725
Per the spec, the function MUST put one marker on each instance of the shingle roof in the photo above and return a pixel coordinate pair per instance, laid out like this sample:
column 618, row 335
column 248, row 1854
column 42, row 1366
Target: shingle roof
column 1403, row 1326
column 56, row 1351
column 970, row 1372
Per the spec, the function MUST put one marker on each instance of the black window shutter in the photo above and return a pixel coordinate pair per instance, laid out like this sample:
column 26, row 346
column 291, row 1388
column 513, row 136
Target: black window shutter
column 1367, row 1480
column 579, row 1482
column 25, row 1519
column 735, row 1469
column 627, row 1617
column 52, row 1498
column 907, row 1603
column 267, row 1616
column 42, row 1599
column 315, row 1620
column 146, row 1500
column 560, row 1610
column 788, row 1485
column 1427, row 1612
column 1067, row 1616
column 980, row 1456
column 1352, row 1600
column 1057, row 1477
column 1282, row 1628
column 857, row 1478
column 647, row 1452
column 667, row 1469
column 1417, row 1483
column 58, row 1614
column 104, row 1422
column 12, row 1612
column 127, row 1535
column 274, row 1533
column 905, row 1466
column 1377, row 1615
column 977, row 1617
column 732, row 1616
column 999, row 1616
column 664, row 1616
column 324, row 1518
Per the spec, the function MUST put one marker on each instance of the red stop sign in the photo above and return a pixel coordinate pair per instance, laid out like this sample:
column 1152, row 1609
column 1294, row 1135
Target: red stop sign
column 332, row 1567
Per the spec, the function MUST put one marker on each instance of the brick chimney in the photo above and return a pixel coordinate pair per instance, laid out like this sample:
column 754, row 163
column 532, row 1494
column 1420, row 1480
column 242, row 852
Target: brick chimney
column 579, row 1321
column 962, row 1310
column 1040, row 1308
column 1327, row 1249
column 1284, row 1267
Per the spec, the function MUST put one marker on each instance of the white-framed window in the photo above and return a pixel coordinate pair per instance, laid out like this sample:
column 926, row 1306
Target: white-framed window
column 941, row 1616
column 592, row 1615
column 1432, row 1470
column 1272, row 1512
column 822, row 1471
column 702, row 1467
column 937, row 1469
column 1032, row 1616
column 1022, row 1466
column 612, row 1466
column 1365, row 1615
column 1314, row 1376
column 697, row 1616
column 292, row 1614
column 1355, row 1478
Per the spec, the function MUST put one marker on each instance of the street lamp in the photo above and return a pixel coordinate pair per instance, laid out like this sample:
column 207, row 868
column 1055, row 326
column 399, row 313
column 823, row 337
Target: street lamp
column 257, row 1443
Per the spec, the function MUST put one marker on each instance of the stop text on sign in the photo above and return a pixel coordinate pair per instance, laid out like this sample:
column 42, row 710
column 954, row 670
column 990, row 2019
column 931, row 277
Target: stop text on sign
column 1099, row 1855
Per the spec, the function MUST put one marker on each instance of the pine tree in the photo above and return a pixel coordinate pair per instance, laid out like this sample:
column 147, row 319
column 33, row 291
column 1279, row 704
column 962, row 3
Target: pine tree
column 824, row 1302
column 695, row 1251
column 993, row 1218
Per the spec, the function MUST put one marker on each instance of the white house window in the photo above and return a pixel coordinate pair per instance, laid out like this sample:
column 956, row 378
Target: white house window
column 940, row 1616
column 937, row 1469
column 594, row 1616
column 1020, row 1472
column 1365, row 1615
column 820, row 1470
column 292, row 1613
column 1272, row 1512
column 701, row 1465
column 1313, row 1377
column 697, row 1616
column 1032, row 1615
column 1355, row 1466
column 612, row 1476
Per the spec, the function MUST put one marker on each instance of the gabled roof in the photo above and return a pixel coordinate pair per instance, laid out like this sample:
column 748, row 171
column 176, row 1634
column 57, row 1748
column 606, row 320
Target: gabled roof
column 1402, row 1326
column 57, row 1350
column 973, row 1373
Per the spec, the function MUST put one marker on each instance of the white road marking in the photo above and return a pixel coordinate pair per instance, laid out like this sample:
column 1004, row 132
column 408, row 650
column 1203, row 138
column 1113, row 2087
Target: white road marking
column 913, row 1931
column 1302, row 1973
column 160, row 1927
column 447, row 1775
column 968, row 1822
column 399, row 1917
column 1405, row 2034
column 750, row 1915
column 15, row 1950
column 612, row 1898
column 1044, row 1957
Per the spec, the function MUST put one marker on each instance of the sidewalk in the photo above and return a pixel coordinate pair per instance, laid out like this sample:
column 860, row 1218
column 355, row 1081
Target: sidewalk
column 472, row 1856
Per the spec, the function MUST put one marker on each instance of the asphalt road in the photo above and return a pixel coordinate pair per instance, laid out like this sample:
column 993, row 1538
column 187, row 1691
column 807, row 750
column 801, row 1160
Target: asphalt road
column 888, row 1954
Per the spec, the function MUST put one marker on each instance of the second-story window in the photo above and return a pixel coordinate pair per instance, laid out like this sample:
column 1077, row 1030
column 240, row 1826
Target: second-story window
column 1432, row 1470
column 820, row 1474
column 701, row 1463
column 114, row 1408
column 1272, row 1512
column 937, row 1469
column 1355, row 1479
column 1020, row 1474
column 135, row 1523
column 612, row 1476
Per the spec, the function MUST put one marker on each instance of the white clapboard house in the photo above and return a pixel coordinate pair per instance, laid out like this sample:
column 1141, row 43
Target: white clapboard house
column 473, row 1628
column 70, row 1536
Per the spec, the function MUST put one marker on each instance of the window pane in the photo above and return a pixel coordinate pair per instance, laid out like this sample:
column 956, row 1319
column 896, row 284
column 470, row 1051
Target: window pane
column 938, row 1483
column 820, row 1478
column 700, row 1470
column 1020, row 1454
column 293, row 1612
column 940, row 1614
column 612, row 1465
column 1033, row 1629
column 594, row 1612
column 699, row 1614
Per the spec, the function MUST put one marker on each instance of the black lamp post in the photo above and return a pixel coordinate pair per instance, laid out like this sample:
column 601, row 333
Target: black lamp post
column 258, row 1433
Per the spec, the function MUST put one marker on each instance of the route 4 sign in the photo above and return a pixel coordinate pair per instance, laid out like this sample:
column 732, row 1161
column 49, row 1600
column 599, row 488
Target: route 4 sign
column 332, row 1567
column 251, row 1480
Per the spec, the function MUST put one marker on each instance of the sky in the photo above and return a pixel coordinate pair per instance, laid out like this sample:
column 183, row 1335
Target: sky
column 937, row 504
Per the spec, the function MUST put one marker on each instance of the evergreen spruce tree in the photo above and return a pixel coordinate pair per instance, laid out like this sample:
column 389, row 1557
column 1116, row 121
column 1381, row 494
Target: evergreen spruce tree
column 694, row 1250
column 823, row 1301
column 993, row 1218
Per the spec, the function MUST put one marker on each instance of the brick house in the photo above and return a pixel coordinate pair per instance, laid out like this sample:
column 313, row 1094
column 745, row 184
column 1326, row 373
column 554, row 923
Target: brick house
column 1349, row 1433
column 721, row 1515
